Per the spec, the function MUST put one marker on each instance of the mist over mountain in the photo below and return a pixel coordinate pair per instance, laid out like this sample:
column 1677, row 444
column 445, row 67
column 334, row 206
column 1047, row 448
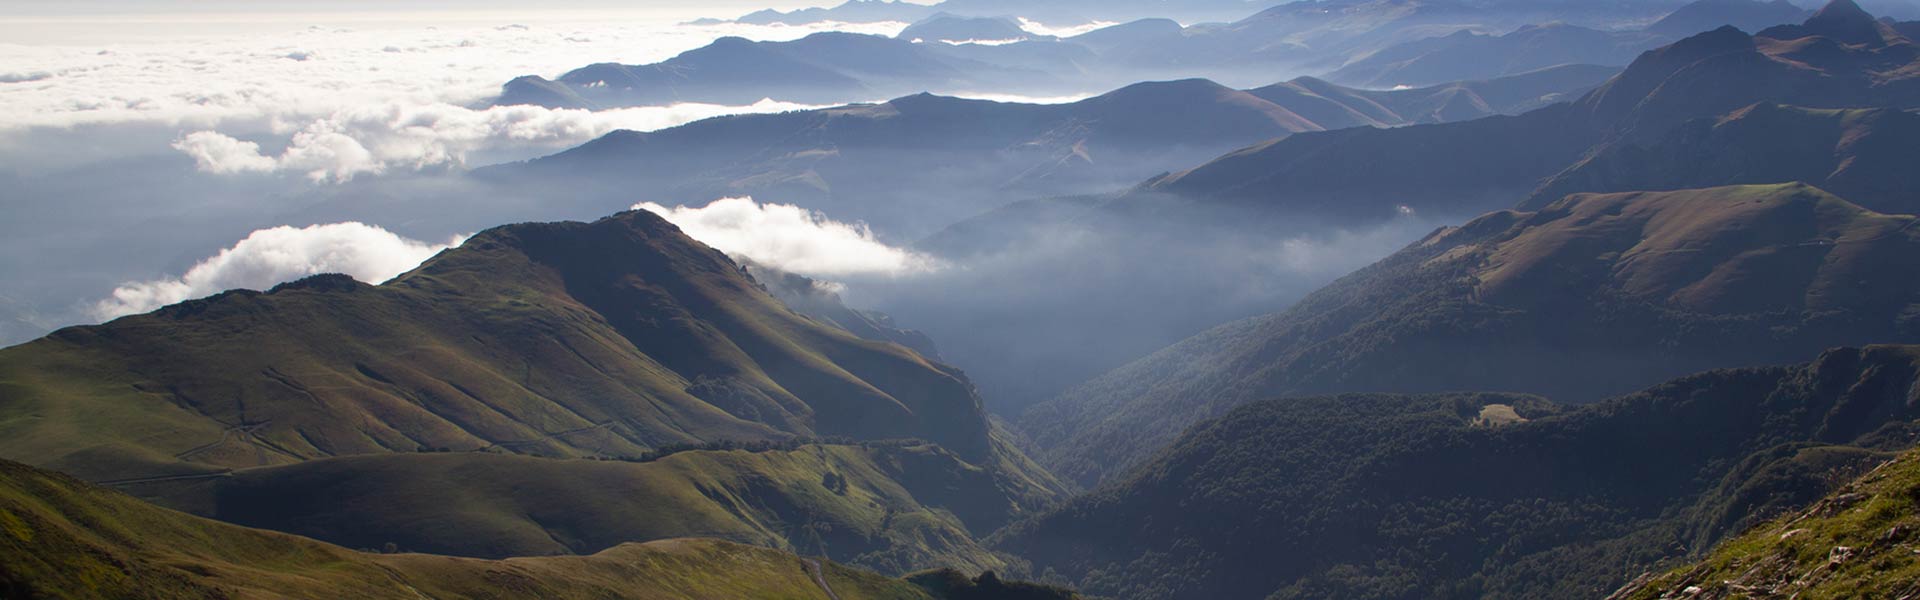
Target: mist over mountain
column 1588, row 297
column 1457, row 169
column 1372, row 43
column 914, row 165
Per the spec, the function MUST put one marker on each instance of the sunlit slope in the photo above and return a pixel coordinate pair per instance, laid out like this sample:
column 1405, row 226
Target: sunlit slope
column 1856, row 543
column 558, row 339
column 895, row 508
column 60, row 538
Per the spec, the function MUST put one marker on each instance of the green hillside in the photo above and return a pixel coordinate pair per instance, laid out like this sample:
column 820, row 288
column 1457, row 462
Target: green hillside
column 558, row 339
column 1856, row 543
column 892, row 507
column 1476, row 495
column 60, row 538
column 1595, row 295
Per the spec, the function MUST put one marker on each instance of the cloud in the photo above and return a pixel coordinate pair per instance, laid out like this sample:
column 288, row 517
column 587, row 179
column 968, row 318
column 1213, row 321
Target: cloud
column 272, row 256
column 281, row 69
column 375, row 139
column 25, row 77
column 216, row 153
column 792, row 239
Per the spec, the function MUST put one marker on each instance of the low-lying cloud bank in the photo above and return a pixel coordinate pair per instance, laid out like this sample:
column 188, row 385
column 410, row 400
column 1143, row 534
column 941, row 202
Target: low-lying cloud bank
column 269, row 257
column 792, row 239
column 393, row 136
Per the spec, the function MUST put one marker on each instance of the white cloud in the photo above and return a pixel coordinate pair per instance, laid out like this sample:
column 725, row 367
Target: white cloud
column 1038, row 28
column 268, row 257
column 344, row 102
column 791, row 238
column 216, row 153
column 283, row 69
column 375, row 139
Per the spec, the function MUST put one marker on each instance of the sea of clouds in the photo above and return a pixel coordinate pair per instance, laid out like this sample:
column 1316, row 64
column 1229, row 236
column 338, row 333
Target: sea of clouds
column 123, row 152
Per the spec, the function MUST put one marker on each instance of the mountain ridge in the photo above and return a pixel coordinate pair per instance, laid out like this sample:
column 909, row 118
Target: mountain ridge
column 1588, row 297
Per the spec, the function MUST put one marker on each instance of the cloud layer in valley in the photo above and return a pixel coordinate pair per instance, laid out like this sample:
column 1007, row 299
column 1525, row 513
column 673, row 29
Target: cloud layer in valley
column 378, row 138
column 334, row 100
column 272, row 256
column 792, row 239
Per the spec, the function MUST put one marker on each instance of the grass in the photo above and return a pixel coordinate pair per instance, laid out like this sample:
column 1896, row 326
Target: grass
column 61, row 538
column 525, row 331
column 1860, row 542
column 889, row 507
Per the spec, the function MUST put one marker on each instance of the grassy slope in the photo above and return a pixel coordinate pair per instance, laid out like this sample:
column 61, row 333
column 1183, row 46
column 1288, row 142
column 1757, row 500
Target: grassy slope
column 1860, row 154
column 60, row 538
column 561, row 339
column 892, row 508
column 1382, row 496
column 1859, row 542
column 1593, row 296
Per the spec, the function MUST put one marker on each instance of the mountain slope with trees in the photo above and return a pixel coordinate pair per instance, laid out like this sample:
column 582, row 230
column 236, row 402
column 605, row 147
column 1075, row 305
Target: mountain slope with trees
column 1477, row 495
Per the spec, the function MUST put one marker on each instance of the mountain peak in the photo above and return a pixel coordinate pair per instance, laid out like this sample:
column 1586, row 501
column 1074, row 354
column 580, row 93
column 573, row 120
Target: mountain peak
column 1841, row 21
column 1840, row 11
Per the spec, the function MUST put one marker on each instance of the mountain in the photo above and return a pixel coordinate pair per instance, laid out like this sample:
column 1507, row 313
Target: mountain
column 1840, row 21
column 913, row 165
column 1856, row 542
column 851, row 11
column 1336, row 107
column 555, row 339
column 1058, row 12
column 894, row 507
column 1477, row 495
column 1589, row 297
column 1360, row 176
column 1467, row 55
column 1460, row 169
column 1860, row 154
column 1746, row 15
column 66, row 539
column 944, row 27
column 818, row 300
column 822, row 68
column 1297, row 37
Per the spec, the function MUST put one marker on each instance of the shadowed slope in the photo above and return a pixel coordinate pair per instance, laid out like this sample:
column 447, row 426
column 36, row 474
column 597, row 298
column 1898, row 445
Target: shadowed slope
column 1864, row 155
column 1476, row 495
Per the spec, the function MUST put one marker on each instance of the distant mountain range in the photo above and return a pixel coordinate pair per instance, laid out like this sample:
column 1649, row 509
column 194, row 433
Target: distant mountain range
column 1366, row 43
column 915, row 164
column 1480, row 495
column 1469, row 167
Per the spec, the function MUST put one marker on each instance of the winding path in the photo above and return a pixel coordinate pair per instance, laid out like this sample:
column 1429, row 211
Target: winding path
column 819, row 576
